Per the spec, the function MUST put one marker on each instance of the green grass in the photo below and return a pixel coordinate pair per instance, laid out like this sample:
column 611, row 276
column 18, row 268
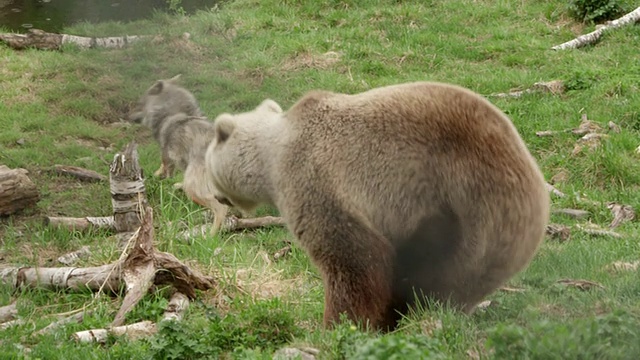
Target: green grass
column 67, row 107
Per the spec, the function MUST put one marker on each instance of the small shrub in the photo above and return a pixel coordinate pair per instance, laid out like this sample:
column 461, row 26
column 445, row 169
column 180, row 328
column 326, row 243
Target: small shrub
column 396, row 346
column 612, row 336
column 594, row 10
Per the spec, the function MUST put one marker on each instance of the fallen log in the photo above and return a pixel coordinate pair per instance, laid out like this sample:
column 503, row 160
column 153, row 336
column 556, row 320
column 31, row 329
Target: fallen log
column 80, row 224
column 39, row 39
column 176, row 307
column 594, row 36
column 233, row 223
column 93, row 278
column 132, row 332
column 17, row 191
column 79, row 173
column 75, row 318
column 71, row 258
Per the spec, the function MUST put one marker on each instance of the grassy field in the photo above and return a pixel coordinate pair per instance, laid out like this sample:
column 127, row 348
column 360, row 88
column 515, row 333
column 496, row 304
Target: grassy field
column 67, row 108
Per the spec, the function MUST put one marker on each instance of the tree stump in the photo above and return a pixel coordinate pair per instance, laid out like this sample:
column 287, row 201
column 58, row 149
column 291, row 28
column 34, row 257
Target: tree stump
column 128, row 196
column 17, row 191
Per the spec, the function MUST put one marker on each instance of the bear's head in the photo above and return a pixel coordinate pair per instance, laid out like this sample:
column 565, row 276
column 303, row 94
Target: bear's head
column 236, row 156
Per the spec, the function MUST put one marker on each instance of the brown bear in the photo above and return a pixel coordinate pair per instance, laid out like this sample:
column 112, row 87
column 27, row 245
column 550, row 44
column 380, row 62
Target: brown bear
column 420, row 189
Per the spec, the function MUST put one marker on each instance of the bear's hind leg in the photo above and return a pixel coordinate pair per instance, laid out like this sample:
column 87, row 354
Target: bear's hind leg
column 357, row 267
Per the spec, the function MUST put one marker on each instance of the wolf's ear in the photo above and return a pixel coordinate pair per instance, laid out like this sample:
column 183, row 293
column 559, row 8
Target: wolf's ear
column 156, row 88
column 136, row 117
column 224, row 127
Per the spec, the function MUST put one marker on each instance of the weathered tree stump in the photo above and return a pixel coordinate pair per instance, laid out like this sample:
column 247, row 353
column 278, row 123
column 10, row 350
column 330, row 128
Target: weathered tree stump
column 128, row 196
column 17, row 191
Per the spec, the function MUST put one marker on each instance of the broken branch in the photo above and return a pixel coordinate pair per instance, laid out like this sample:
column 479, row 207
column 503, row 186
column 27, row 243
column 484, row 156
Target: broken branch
column 79, row 173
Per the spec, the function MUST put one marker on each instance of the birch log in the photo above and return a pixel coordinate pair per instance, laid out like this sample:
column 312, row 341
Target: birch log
column 39, row 39
column 80, row 224
column 17, row 191
column 92, row 278
column 594, row 36
column 233, row 223
column 133, row 332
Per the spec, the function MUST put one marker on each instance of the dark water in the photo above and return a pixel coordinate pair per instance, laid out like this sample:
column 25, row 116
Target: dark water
column 53, row 15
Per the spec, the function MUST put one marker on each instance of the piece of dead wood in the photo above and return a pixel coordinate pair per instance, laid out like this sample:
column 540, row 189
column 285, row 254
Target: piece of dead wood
column 553, row 190
column 11, row 323
column 176, row 307
column 79, row 173
column 71, row 258
column 559, row 232
column 64, row 320
column 590, row 141
column 554, row 87
column 39, row 39
column 595, row 230
column 138, row 269
column 621, row 266
column 585, row 127
column 17, row 191
column 80, row 224
column 614, row 127
column 233, row 223
column 621, row 213
column 512, row 289
column 168, row 270
column 8, row 312
column 128, row 194
column 93, row 278
column 132, row 332
column 594, row 36
column 574, row 213
column 282, row 252
column 580, row 284
column 290, row 353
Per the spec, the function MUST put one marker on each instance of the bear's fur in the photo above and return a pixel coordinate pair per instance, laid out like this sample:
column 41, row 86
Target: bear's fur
column 423, row 187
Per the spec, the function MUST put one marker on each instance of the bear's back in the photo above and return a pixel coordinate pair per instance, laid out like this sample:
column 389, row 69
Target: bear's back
column 405, row 149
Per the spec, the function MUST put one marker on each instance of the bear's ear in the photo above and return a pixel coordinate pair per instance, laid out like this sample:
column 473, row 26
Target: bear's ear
column 271, row 105
column 174, row 79
column 156, row 88
column 224, row 126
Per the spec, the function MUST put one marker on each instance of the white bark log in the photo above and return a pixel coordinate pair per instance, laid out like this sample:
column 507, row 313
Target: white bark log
column 132, row 331
column 73, row 257
column 176, row 308
column 80, row 224
column 93, row 278
column 593, row 36
column 232, row 223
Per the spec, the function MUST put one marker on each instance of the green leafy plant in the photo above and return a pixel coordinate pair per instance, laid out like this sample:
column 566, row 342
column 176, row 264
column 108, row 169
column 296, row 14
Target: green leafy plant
column 594, row 10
